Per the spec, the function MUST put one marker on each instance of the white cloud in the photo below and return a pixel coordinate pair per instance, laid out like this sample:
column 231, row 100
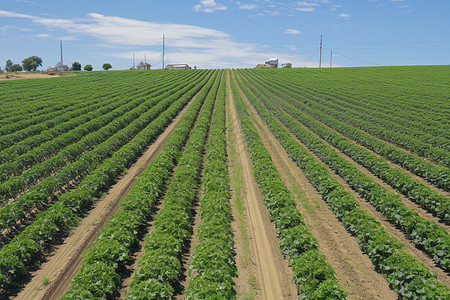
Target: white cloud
column 42, row 35
column 344, row 15
column 247, row 6
column 397, row 0
column 292, row 31
column 301, row 3
column 209, row 6
column 335, row 7
column 68, row 38
column 305, row 9
column 7, row 28
column 8, row 14
column 115, row 36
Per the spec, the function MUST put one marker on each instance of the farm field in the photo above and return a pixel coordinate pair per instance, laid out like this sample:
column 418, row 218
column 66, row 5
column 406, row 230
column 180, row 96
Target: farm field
column 243, row 183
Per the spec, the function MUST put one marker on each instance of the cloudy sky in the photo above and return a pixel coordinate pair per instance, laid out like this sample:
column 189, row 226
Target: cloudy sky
column 227, row 33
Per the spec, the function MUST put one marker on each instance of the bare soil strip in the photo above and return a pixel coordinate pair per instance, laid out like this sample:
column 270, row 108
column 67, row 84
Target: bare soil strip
column 409, row 246
column 354, row 269
column 272, row 274
column 66, row 259
column 392, row 164
column 25, row 75
column 246, row 285
column 408, row 203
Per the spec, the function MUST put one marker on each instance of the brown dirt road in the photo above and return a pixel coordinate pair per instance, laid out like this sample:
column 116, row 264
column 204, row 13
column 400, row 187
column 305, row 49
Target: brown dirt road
column 354, row 269
column 272, row 272
column 24, row 75
column 66, row 259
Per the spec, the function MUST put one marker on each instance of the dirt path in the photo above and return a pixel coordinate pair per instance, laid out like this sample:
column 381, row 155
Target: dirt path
column 25, row 75
column 66, row 259
column 400, row 236
column 390, row 163
column 354, row 269
column 407, row 202
column 246, row 285
column 272, row 272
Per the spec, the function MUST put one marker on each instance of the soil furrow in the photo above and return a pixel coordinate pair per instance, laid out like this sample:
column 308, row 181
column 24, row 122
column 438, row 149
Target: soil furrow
column 66, row 259
column 409, row 246
column 408, row 203
column 354, row 269
column 272, row 272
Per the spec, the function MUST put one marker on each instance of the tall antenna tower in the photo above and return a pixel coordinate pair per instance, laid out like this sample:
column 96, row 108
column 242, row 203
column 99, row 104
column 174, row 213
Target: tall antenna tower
column 60, row 46
column 163, row 52
column 320, row 57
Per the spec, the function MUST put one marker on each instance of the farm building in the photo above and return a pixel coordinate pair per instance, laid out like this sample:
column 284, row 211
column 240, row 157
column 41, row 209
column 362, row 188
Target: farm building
column 271, row 63
column 59, row 67
column 263, row 66
column 143, row 66
column 178, row 67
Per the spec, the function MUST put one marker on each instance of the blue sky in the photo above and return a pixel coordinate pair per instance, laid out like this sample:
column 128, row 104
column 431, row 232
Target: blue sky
column 227, row 33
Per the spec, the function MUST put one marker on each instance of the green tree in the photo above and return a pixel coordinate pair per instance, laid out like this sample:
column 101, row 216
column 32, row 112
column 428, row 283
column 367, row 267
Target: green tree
column 88, row 68
column 76, row 66
column 31, row 63
column 16, row 68
column 8, row 65
column 106, row 66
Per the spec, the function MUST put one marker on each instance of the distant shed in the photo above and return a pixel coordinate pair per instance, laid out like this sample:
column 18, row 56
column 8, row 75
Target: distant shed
column 59, row 67
column 178, row 67
column 273, row 62
column 143, row 66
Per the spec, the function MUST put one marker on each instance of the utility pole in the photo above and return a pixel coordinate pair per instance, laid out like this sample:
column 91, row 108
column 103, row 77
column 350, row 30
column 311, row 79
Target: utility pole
column 331, row 58
column 60, row 46
column 133, row 62
column 163, row 52
column 320, row 57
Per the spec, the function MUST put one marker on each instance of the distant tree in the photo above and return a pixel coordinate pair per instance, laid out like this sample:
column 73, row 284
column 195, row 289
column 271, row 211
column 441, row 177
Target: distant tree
column 15, row 68
column 88, row 68
column 8, row 65
column 107, row 66
column 31, row 63
column 1, row 71
column 76, row 66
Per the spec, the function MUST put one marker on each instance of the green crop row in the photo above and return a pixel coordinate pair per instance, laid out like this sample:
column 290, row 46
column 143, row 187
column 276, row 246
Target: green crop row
column 413, row 189
column 412, row 96
column 48, row 141
column 160, row 265
column 50, row 226
column 132, row 122
column 42, row 124
column 212, row 267
column 422, row 232
column 359, row 113
column 15, row 132
column 437, row 175
column 410, row 278
column 107, row 125
column 100, row 273
column 314, row 277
